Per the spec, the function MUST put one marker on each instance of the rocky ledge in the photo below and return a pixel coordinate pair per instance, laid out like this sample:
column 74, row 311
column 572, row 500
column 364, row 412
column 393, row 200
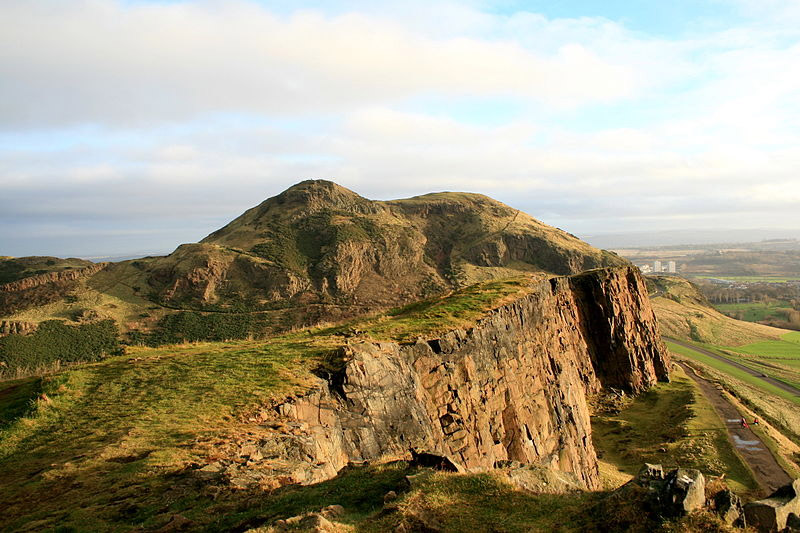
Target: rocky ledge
column 512, row 388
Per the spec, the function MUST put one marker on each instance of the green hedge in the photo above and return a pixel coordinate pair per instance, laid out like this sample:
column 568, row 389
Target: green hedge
column 189, row 326
column 55, row 341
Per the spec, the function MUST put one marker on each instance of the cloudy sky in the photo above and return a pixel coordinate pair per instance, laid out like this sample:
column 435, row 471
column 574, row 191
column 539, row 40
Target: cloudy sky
column 133, row 126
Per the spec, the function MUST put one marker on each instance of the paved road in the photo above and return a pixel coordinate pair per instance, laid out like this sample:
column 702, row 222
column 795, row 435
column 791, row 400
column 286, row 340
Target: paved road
column 772, row 381
column 768, row 472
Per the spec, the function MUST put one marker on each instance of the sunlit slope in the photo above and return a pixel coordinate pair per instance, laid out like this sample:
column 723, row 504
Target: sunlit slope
column 316, row 252
column 684, row 313
column 131, row 430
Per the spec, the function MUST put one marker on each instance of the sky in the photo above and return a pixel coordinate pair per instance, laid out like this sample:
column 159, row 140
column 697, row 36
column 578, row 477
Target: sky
column 134, row 126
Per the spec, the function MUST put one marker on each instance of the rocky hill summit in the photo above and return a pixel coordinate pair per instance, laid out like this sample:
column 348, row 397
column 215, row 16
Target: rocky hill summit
column 316, row 252
column 318, row 242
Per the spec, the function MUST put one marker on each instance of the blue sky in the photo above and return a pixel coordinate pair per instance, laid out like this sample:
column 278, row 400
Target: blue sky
column 134, row 126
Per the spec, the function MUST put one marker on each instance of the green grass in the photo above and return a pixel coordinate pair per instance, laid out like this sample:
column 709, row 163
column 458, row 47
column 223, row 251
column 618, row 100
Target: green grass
column 780, row 348
column 732, row 371
column 487, row 502
column 484, row 502
column 674, row 425
column 126, row 429
column 149, row 409
column 360, row 490
column 54, row 341
column 16, row 399
column 753, row 279
column 756, row 311
column 433, row 316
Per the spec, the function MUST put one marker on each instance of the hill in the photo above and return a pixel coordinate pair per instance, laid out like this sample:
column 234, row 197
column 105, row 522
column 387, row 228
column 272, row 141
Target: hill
column 684, row 313
column 16, row 268
column 316, row 252
column 203, row 435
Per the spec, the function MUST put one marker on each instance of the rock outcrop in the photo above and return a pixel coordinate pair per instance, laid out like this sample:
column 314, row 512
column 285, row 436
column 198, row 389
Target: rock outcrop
column 772, row 513
column 16, row 327
column 52, row 277
column 42, row 289
column 511, row 388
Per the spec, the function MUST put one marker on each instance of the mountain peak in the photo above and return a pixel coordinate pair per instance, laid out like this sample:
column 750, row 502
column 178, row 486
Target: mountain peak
column 316, row 194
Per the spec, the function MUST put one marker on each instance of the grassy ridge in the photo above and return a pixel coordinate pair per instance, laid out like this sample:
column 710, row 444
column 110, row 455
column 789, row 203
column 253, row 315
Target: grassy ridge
column 13, row 269
column 127, row 428
column 684, row 313
column 436, row 315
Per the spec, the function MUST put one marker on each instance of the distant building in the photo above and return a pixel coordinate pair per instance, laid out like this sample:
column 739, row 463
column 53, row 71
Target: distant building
column 657, row 266
column 671, row 267
column 646, row 269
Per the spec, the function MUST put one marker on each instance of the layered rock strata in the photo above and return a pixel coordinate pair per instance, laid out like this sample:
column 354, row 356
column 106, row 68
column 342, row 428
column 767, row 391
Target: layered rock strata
column 52, row 277
column 16, row 327
column 512, row 388
column 43, row 289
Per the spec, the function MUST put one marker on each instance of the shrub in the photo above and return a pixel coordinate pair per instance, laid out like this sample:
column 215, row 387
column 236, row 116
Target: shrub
column 55, row 341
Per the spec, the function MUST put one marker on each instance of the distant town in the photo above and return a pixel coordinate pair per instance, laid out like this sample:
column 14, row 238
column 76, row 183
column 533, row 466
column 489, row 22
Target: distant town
column 659, row 267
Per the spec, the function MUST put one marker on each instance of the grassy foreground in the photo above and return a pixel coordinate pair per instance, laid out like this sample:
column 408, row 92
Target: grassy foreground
column 674, row 425
column 108, row 446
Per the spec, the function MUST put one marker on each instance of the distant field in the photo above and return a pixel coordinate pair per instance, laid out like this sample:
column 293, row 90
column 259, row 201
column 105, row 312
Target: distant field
column 756, row 311
column 733, row 371
column 751, row 279
column 787, row 347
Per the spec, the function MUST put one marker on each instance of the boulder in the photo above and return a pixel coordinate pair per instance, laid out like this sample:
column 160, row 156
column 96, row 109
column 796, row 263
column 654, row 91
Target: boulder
column 729, row 508
column 772, row 513
column 539, row 479
column 685, row 490
column 679, row 492
column 650, row 472
column 332, row 511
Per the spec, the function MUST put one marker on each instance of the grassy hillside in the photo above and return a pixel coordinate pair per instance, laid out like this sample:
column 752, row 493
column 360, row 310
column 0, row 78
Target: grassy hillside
column 116, row 444
column 683, row 313
column 671, row 424
column 316, row 252
column 16, row 268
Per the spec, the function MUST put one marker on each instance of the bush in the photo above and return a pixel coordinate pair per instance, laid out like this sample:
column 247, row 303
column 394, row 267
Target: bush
column 55, row 341
column 190, row 326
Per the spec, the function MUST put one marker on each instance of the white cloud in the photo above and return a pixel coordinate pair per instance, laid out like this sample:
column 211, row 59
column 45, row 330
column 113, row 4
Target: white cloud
column 203, row 109
column 102, row 61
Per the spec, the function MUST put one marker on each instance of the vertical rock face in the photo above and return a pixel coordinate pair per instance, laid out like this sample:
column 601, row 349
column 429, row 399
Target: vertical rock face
column 52, row 277
column 513, row 387
column 16, row 327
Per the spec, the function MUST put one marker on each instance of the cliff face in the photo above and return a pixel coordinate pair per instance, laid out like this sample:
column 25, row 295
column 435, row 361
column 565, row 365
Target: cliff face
column 52, row 277
column 43, row 288
column 513, row 387
column 16, row 327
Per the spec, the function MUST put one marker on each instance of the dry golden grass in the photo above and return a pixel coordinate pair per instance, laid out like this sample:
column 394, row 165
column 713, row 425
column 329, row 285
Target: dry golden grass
column 683, row 313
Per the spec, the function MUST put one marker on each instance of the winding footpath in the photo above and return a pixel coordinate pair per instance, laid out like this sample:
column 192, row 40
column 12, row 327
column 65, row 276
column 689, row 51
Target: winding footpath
column 769, row 474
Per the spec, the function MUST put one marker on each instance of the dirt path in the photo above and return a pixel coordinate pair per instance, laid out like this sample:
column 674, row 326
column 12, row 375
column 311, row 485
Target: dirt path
column 768, row 472
column 772, row 381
